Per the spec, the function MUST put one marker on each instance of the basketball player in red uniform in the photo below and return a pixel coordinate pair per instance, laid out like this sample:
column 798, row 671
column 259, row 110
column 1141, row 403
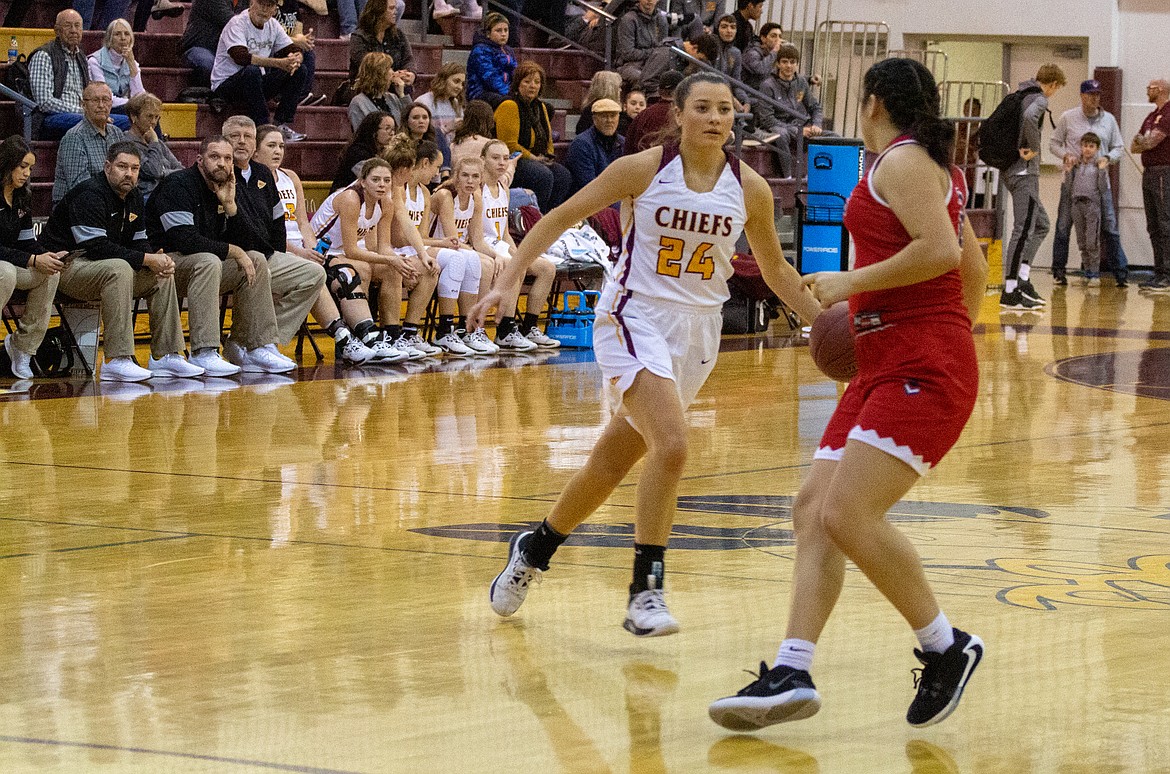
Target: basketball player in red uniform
column 915, row 290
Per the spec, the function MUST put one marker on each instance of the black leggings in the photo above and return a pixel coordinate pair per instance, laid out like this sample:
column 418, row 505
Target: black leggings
column 552, row 183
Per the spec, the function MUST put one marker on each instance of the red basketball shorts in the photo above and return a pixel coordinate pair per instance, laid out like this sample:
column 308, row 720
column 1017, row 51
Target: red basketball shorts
column 915, row 388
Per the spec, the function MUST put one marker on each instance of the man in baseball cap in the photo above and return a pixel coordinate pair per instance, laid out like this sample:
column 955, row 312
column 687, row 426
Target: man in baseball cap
column 598, row 146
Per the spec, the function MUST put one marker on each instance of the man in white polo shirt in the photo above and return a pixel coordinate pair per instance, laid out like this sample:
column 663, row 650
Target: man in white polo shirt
column 256, row 60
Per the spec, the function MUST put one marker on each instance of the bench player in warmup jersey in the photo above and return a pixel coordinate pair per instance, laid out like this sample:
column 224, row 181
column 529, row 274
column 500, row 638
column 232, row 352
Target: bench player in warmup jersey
column 657, row 329
column 916, row 288
column 353, row 219
column 457, row 204
column 299, row 236
column 510, row 334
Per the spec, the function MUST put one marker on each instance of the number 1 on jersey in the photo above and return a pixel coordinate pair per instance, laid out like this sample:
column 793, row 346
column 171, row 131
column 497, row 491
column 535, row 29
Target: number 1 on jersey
column 670, row 257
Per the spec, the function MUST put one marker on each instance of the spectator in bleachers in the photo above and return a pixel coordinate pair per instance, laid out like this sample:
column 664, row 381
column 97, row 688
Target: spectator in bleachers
column 492, row 62
column 655, row 121
column 632, row 105
column 114, row 64
column 377, row 30
column 256, row 60
column 58, row 74
column 605, row 84
column 349, row 14
column 104, row 216
column 193, row 215
column 301, row 241
column 116, row 9
column 157, row 159
column 524, row 123
column 201, row 36
column 643, row 52
column 551, row 13
column 24, row 263
column 598, row 146
column 418, row 125
column 468, row 9
column 369, row 139
column 759, row 59
column 747, row 11
column 295, row 281
column 587, row 29
column 702, row 46
column 82, row 151
column 799, row 115
column 376, row 88
column 445, row 99
column 305, row 39
column 730, row 59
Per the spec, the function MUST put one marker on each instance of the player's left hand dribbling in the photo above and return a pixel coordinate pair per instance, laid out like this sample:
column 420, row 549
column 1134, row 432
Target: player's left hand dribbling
column 829, row 287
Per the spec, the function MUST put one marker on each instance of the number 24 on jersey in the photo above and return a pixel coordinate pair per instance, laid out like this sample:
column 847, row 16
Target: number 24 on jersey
column 671, row 254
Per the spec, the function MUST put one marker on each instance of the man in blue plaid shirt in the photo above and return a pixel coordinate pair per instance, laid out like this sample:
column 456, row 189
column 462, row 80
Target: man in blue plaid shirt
column 82, row 152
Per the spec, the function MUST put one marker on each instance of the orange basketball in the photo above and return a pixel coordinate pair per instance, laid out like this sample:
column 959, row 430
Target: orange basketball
column 830, row 342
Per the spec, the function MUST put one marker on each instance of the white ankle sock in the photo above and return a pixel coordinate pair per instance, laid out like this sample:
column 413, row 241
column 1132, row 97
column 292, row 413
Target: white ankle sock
column 797, row 654
column 1010, row 285
column 937, row 636
column 1025, row 272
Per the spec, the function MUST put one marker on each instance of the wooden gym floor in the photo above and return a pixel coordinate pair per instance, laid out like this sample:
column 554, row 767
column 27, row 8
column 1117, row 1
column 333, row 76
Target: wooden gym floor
column 293, row 577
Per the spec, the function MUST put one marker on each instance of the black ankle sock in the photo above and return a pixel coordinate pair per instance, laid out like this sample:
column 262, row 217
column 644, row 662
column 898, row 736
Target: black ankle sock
column 462, row 324
column 504, row 326
column 364, row 329
column 392, row 331
column 649, row 560
column 409, row 329
column 445, row 326
column 529, row 322
column 542, row 544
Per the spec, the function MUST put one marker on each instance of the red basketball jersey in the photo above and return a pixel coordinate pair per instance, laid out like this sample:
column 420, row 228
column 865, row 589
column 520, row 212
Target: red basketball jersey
column 878, row 234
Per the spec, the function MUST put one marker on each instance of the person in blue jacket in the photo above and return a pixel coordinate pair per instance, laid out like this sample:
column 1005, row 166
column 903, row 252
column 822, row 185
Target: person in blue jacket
column 491, row 62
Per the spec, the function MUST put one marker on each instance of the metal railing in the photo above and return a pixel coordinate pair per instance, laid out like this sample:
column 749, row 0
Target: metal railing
column 931, row 59
column 608, row 20
column 25, row 106
column 511, row 13
column 800, row 19
column 967, row 104
column 844, row 50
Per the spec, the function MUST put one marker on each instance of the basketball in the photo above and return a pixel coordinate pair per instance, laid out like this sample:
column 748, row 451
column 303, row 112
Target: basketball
column 830, row 342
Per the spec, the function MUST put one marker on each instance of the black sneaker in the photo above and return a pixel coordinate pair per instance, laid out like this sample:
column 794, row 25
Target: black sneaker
column 1016, row 300
column 941, row 680
column 1156, row 285
column 1028, row 291
column 1060, row 280
column 778, row 695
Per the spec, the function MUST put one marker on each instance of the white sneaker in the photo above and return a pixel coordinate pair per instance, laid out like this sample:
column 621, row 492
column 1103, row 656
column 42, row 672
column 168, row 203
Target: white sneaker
column 442, row 10
column 212, row 364
column 173, row 365
column 418, row 342
column 479, row 342
column 510, row 587
column 291, row 135
column 453, row 345
column 21, row 362
column 351, row 350
column 471, row 10
column 542, row 339
column 123, row 369
column 288, row 361
column 402, row 344
column 515, row 341
column 264, row 361
column 385, row 351
column 647, row 615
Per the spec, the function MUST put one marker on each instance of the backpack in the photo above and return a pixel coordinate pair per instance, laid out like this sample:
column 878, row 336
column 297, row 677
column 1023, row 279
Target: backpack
column 522, row 219
column 16, row 76
column 55, row 355
column 999, row 136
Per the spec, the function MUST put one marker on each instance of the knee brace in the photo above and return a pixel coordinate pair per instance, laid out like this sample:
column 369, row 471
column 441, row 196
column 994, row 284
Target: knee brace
column 472, row 273
column 344, row 281
column 453, row 265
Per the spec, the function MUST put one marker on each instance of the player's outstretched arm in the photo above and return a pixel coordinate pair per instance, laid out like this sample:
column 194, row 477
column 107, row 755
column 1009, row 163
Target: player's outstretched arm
column 760, row 229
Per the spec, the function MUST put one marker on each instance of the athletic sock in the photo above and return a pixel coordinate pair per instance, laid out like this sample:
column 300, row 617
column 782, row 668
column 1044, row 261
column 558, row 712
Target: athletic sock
column 541, row 545
column 445, row 326
column 529, row 322
column 649, row 562
column 366, row 330
column 937, row 636
column 337, row 330
column 795, row 653
column 1009, row 286
column 392, row 331
column 1025, row 272
column 461, row 323
column 409, row 329
column 504, row 326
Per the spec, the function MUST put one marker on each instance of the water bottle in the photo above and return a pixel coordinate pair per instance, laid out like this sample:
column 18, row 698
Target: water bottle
column 323, row 245
column 13, row 49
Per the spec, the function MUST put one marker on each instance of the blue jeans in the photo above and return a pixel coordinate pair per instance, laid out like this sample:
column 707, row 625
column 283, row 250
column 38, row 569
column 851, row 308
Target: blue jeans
column 1112, row 254
column 201, row 60
column 54, row 125
column 348, row 12
column 252, row 89
column 111, row 9
column 1156, row 198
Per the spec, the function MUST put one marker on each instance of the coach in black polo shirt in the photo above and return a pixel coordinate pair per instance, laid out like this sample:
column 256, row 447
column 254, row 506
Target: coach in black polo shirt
column 296, row 282
column 104, row 216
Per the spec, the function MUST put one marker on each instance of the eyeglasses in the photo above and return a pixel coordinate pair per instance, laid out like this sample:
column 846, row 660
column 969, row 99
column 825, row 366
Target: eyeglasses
column 100, row 100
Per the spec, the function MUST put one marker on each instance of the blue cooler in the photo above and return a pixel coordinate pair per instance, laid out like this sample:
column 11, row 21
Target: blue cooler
column 571, row 319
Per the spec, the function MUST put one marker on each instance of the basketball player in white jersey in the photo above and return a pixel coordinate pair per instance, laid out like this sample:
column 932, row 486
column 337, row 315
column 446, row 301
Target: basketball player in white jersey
column 509, row 335
column 459, row 267
column 299, row 234
column 352, row 219
column 656, row 334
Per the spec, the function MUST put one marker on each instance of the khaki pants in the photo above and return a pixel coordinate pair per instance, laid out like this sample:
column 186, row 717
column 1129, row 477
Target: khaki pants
column 203, row 278
column 30, row 329
column 116, row 284
column 296, row 284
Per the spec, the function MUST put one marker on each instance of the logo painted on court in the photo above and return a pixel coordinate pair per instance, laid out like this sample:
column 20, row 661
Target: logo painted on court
column 1143, row 583
column 706, row 538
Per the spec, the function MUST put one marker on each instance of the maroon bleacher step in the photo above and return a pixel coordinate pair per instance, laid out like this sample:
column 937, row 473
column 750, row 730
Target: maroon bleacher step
column 320, row 123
